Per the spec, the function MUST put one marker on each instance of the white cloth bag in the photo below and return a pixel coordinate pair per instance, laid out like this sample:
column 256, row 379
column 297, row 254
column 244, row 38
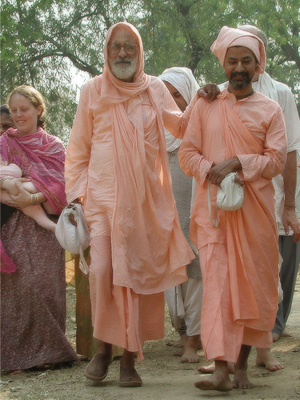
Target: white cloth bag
column 230, row 196
column 74, row 239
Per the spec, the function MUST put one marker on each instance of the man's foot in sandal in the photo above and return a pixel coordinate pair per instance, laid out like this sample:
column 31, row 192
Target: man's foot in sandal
column 130, row 378
column 128, row 375
column 97, row 368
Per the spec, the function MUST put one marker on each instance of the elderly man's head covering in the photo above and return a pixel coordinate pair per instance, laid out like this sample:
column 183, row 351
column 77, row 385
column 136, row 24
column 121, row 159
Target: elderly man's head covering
column 137, row 37
column 231, row 37
column 114, row 90
column 183, row 80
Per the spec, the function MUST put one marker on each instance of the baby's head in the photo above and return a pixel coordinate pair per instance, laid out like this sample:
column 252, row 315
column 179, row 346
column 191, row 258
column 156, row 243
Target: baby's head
column 5, row 119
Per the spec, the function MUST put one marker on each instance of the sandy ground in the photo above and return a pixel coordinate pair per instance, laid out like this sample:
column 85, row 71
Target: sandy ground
column 164, row 377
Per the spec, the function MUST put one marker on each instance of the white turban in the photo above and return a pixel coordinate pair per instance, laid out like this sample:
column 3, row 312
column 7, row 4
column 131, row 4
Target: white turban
column 184, row 81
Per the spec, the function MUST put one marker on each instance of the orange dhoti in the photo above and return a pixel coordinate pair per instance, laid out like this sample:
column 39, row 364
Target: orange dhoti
column 119, row 315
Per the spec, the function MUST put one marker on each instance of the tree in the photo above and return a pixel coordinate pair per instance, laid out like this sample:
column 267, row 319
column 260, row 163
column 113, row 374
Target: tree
column 44, row 41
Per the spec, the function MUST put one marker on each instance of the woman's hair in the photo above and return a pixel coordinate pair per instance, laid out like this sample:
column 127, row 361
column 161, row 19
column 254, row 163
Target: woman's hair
column 35, row 97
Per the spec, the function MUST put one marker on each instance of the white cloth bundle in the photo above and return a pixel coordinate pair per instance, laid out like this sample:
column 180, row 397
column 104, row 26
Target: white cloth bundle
column 230, row 196
column 74, row 239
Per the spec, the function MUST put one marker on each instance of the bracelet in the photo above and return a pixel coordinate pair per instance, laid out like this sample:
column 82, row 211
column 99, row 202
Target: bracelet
column 290, row 205
column 34, row 198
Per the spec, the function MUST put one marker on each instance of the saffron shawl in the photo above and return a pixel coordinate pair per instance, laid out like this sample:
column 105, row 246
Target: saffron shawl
column 140, row 237
column 41, row 158
column 246, row 302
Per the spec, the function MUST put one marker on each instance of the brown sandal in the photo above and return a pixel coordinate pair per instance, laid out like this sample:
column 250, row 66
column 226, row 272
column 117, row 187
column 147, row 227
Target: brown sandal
column 97, row 368
column 129, row 378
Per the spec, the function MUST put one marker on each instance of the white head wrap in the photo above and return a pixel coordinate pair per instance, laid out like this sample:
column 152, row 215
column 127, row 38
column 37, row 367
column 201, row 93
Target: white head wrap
column 184, row 81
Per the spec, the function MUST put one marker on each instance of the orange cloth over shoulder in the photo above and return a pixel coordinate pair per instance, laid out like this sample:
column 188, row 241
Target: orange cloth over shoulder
column 132, row 195
column 239, row 258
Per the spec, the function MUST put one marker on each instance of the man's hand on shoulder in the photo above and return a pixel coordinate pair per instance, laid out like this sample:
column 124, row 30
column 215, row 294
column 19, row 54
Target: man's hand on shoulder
column 210, row 91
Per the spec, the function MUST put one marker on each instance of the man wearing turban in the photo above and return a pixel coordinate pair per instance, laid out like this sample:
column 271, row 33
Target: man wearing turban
column 117, row 167
column 244, row 132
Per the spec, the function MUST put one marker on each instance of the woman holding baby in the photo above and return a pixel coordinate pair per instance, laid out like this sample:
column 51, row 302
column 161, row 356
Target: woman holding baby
column 33, row 309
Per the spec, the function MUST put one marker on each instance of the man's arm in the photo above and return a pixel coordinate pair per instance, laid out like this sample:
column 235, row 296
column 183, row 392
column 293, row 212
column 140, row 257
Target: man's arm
column 289, row 217
column 79, row 149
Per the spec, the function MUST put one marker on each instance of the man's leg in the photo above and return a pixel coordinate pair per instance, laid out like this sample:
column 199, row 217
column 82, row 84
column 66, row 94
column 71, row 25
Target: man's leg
column 290, row 253
column 97, row 368
column 100, row 283
column 192, row 298
column 241, row 380
column 128, row 374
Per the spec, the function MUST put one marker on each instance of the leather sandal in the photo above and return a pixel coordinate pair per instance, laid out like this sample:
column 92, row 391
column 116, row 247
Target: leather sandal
column 97, row 368
column 129, row 378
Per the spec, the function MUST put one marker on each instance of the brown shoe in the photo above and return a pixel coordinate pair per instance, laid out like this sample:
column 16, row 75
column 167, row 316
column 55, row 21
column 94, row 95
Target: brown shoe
column 97, row 368
column 129, row 378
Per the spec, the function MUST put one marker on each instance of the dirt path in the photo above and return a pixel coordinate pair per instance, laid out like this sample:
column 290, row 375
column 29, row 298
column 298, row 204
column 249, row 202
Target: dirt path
column 163, row 375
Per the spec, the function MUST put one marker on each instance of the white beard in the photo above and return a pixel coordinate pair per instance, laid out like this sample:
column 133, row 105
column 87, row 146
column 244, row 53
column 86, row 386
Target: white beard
column 124, row 72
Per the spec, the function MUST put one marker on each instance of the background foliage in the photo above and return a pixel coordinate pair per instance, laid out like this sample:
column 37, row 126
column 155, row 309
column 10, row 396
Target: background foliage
column 48, row 43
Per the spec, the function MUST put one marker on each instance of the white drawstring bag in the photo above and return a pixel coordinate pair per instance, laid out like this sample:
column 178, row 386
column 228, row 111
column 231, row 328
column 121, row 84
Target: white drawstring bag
column 230, row 196
column 74, row 239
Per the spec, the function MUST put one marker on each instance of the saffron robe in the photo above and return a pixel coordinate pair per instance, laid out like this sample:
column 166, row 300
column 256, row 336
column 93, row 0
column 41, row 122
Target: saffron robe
column 239, row 258
column 90, row 174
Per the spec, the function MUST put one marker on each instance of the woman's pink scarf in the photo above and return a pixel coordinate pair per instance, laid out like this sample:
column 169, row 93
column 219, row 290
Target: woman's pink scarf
column 41, row 158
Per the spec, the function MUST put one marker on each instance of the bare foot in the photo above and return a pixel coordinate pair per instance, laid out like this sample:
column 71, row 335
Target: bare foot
column 190, row 350
column 241, row 380
column 276, row 337
column 181, row 342
column 286, row 334
column 215, row 382
column 200, row 344
column 178, row 352
column 16, row 372
column 210, row 369
column 265, row 358
column 190, row 356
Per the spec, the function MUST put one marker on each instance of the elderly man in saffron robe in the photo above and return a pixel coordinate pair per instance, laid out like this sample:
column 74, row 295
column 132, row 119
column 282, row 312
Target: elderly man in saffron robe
column 244, row 132
column 117, row 167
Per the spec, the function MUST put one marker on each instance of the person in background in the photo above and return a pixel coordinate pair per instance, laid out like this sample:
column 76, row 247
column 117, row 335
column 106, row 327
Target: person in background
column 184, row 301
column 243, row 132
column 117, row 167
column 285, row 189
column 33, row 296
column 5, row 119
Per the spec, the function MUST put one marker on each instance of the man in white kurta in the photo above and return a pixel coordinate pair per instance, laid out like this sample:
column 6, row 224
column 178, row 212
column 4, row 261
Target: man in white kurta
column 286, row 192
